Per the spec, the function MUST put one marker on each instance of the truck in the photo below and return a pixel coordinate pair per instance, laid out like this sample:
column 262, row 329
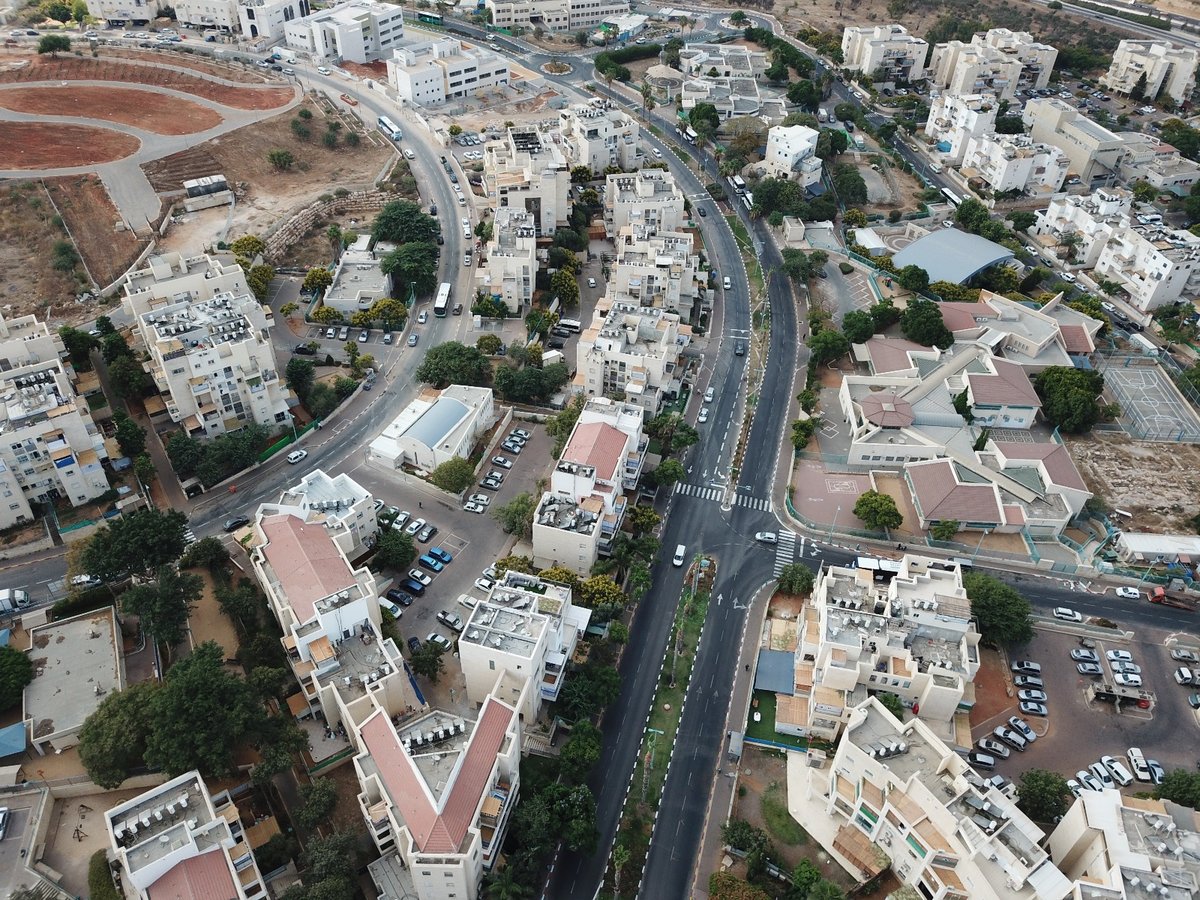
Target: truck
column 13, row 599
column 1174, row 596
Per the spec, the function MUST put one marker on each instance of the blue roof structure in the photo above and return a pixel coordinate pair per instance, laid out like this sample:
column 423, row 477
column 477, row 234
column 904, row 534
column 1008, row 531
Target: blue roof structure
column 948, row 254
column 437, row 421
column 12, row 739
column 776, row 672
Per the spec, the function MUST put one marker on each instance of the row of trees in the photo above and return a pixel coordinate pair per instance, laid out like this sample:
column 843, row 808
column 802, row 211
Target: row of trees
column 214, row 460
column 319, row 397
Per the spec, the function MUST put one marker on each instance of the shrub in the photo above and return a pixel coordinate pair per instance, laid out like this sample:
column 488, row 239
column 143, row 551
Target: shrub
column 100, row 883
column 86, row 601
column 845, row 268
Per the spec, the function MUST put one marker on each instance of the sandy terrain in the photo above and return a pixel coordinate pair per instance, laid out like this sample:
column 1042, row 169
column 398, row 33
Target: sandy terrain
column 83, row 202
column 28, row 232
column 33, row 145
column 148, row 110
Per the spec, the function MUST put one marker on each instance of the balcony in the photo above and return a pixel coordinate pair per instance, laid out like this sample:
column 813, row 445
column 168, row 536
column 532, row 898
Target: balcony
column 493, row 818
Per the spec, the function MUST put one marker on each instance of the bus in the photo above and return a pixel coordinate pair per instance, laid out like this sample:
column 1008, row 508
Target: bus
column 390, row 128
column 951, row 196
column 429, row 18
column 442, row 300
column 738, row 183
column 572, row 325
column 689, row 134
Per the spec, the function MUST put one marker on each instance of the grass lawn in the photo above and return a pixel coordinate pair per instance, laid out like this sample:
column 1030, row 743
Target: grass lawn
column 780, row 823
column 764, row 729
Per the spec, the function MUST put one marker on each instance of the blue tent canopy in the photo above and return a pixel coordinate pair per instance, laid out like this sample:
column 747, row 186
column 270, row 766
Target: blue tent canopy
column 12, row 739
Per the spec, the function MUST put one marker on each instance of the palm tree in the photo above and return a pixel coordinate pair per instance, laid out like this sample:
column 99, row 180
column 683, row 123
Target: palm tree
column 504, row 886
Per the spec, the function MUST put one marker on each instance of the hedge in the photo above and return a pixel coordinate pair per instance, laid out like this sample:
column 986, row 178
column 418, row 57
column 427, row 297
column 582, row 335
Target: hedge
column 85, row 601
column 100, row 883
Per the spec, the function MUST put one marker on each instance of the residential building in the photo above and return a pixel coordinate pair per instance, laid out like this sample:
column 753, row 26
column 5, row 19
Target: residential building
column 649, row 197
column 898, row 796
column 266, row 19
column 732, row 98
column 359, row 279
column 1014, row 162
column 528, row 627
column 431, row 72
column 660, row 269
column 956, row 118
column 599, row 135
column 221, row 15
column 554, row 15
column 1169, row 70
column 359, row 31
column 620, row 28
column 1093, row 151
column 722, row 61
column 437, row 793
column 178, row 840
column 50, row 448
column 884, row 52
column 117, row 13
column 1092, row 218
column 1150, row 159
column 509, row 268
column 998, row 62
column 792, row 154
column 632, row 350
column 341, row 504
column 582, row 511
column 1153, row 264
column 435, row 427
column 209, row 343
column 527, row 169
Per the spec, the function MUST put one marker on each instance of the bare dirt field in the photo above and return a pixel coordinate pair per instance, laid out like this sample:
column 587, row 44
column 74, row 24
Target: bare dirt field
column 88, row 69
column 147, row 110
column 1158, row 483
column 83, row 202
column 242, row 73
column 34, row 145
column 28, row 232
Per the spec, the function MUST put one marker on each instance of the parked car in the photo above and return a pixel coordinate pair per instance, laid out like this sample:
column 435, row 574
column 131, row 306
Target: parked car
column 439, row 640
column 1019, row 725
column 420, row 577
column 1128, row 593
column 495, row 476
column 364, row 335
column 484, row 584
column 709, row 394
column 481, row 499
column 1026, row 667
column 1127, row 680
column 1184, row 676
column 1119, row 656
column 236, row 522
column 304, row 350
column 441, row 555
column 1028, row 681
column 981, row 760
column 512, row 447
column 391, row 608
column 398, row 596
column 1035, row 696
column 412, row 340
column 427, row 534
column 1033, row 709
column 1125, row 668
column 1157, row 772
column 1119, row 773
column 411, row 586
column 1089, row 781
column 414, row 644
column 993, row 747
column 1089, row 669
column 296, row 456
column 414, row 526
column 502, row 461
column 425, row 561
column 1085, row 656
column 1075, row 787
column 1101, row 774
column 703, row 417
column 1194, row 701
column 1184, row 656
column 453, row 621
column 1067, row 615
column 521, row 433
column 1010, row 737
column 1137, row 763
column 474, row 508
column 490, row 483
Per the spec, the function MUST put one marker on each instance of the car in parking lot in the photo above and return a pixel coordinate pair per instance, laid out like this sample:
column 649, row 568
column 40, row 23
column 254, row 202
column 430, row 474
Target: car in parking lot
column 411, row 586
column 323, row 70
column 427, row 534
column 513, row 447
column 1089, row 669
column 1035, row 696
column 364, row 335
column 481, row 499
column 1026, row 667
column 439, row 640
column 414, row 644
column 521, row 433
column 420, row 577
column 1085, row 656
column 1184, row 675
column 398, row 596
column 414, row 526
column 1101, row 774
column 86, row 581
column 390, row 607
column 1128, row 593
column 1075, row 787
column 1067, row 615
column 1119, row 773
column 1010, row 737
column 425, row 561
column 304, row 350
column 441, row 555
column 502, row 461
column 1125, row 668
column 1033, row 709
column 236, row 522
column 401, row 519
column 1157, row 772
column 1028, row 681
column 1089, row 781
column 490, row 483
column 453, row 621
column 1137, row 762
column 474, row 508
column 1119, row 656
column 296, row 456
column 1127, row 680
column 993, row 747
column 981, row 760
column 1019, row 725
column 484, row 583
column 1184, row 656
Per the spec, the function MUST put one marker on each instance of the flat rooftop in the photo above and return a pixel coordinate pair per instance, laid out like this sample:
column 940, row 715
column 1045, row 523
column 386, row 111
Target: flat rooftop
column 164, row 822
column 217, row 321
column 76, row 664
column 515, row 629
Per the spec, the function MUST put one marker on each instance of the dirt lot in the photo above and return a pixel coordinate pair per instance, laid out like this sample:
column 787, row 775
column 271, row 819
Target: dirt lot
column 1158, row 483
column 242, row 73
column 27, row 233
column 28, row 69
column 33, row 145
column 148, row 110
column 91, row 217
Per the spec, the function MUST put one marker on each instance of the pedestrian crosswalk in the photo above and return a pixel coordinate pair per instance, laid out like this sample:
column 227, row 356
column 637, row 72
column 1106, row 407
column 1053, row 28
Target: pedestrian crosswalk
column 718, row 494
column 785, row 550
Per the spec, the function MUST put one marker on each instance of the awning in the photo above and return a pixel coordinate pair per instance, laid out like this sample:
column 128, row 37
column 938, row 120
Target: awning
column 320, row 650
column 12, row 739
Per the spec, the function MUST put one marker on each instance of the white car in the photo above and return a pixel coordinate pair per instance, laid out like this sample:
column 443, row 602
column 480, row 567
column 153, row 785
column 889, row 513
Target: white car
column 440, row 640
column 1067, row 615
column 484, row 584
column 296, row 456
column 1119, row 656
column 1128, row 680
column 767, row 537
column 502, row 461
column 422, row 317
column 708, row 395
column 390, row 607
column 474, row 508
column 418, row 575
column 414, row 526
column 481, row 499
column 1128, row 593
column 323, row 70
column 85, row 581
column 1184, row 676
column 703, row 417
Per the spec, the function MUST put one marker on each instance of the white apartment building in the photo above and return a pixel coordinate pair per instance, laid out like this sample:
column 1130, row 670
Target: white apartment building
column 998, row 62
column 600, row 136
column 660, row 269
column 341, row 504
column 732, row 97
column 581, row 513
column 956, row 118
column 528, row 627
column 177, row 840
column 1154, row 265
column 1148, row 158
column 209, row 343
column 896, row 795
column 266, row 19
column 200, row 14
column 792, row 154
column 1170, row 70
column 359, row 31
column 50, row 448
column 649, row 197
column 722, row 61
column 431, row 72
column 528, row 170
column 1015, row 162
column 888, row 50
column 1093, row 151
column 1095, row 218
column 510, row 265
column 116, row 13
column 554, row 15
column 359, row 279
column 634, row 351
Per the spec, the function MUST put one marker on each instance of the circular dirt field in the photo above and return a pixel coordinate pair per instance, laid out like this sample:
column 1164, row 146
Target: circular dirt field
column 149, row 110
column 33, row 145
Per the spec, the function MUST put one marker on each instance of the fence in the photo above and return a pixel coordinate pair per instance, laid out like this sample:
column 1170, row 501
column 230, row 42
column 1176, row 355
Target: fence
column 285, row 440
column 1154, row 417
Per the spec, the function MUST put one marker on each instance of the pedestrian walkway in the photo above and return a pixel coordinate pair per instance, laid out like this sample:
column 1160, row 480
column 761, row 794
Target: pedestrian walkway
column 717, row 495
column 785, row 551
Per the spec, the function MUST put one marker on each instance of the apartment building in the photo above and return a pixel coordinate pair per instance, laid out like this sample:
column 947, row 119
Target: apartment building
column 898, row 796
column 528, row 170
column 178, row 840
column 997, row 62
column 582, row 511
column 437, row 793
column 431, row 72
column 792, row 154
column 722, row 61
column 1148, row 158
column 50, row 448
column 221, row 15
column 341, row 504
column 956, row 118
column 359, row 279
column 526, row 626
column 1014, row 162
column 209, row 343
column 600, row 136
column 509, row 269
column 266, row 18
column 1094, row 152
column 554, row 15
column 650, row 198
column 884, row 52
column 1092, row 218
column 359, row 31
column 1169, row 70
column 118, row 13
column 1154, row 265
column 660, row 269
column 632, row 350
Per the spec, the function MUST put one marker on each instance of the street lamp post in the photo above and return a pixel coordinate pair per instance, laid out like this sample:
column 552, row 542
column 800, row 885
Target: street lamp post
column 980, row 544
column 834, row 522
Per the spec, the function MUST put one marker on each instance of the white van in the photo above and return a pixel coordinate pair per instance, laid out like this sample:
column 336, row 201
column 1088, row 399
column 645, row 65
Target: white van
column 728, row 285
column 680, row 553
column 657, row 153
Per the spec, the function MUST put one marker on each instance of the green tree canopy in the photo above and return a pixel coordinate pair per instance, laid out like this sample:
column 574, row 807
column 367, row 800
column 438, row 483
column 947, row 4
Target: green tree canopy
column 139, row 542
column 454, row 363
column 516, row 516
column 55, row 43
column 922, row 323
column 300, row 375
column 162, row 606
column 668, row 472
column 404, row 222
column 580, row 753
column 390, row 313
column 1043, row 795
column 796, row 578
column 878, row 510
column 112, row 742
column 318, row 799
column 317, row 279
column 858, row 326
column 913, row 278
column 393, row 550
column 427, row 660
column 454, row 475
column 16, row 671
column 704, row 114
column 1070, row 397
column 413, row 266
column 1002, row 614
column 1180, row 786
column 827, row 345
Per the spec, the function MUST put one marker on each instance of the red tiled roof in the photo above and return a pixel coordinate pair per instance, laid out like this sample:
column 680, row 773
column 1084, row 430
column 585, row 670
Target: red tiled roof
column 598, row 445
column 434, row 830
column 1076, row 339
column 1010, row 386
column 887, row 409
column 1014, row 515
column 1059, row 466
column 306, row 561
column 960, row 316
column 890, row 354
column 941, row 496
column 204, row 877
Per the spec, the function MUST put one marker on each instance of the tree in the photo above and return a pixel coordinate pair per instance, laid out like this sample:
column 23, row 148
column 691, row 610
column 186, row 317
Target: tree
column 1182, row 787
column 131, row 437
column 581, row 175
column 589, row 691
column 1070, row 397
column 642, row 519
column 1144, row 191
column 186, row 454
column 503, row 884
column 1003, row 615
column 971, row 214
column 1138, row 91
column 455, row 475
column 454, row 363
column 579, row 753
column 727, row 886
column 112, row 741
column 826, row 890
column 250, row 246
column 944, row 530
column 79, row 345
column 922, row 323
column 79, row 11
column 55, row 44
column 704, row 114
column 427, row 660
column 516, row 516
column 240, row 603
column 413, row 266
column 128, row 378
column 139, row 542
column 668, row 472
column 16, row 671
column 892, row 703
column 394, row 550
column 913, row 278
column 1022, row 220
column 1043, row 795
column 327, row 315
column 258, row 279
column 1009, row 125
column 318, row 799
column 827, row 345
column 281, row 160
column 404, row 222
column 738, row 18
column 565, row 287
column 162, row 607
column 600, row 590
column 884, row 314
column 796, row 578
column 850, row 185
column 318, row 279
column 489, row 344
column 858, row 326
column 804, row 876
column 878, row 510
column 577, row 817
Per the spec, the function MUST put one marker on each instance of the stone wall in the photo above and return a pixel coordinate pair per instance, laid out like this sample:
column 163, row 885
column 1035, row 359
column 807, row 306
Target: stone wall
column 287, row 232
